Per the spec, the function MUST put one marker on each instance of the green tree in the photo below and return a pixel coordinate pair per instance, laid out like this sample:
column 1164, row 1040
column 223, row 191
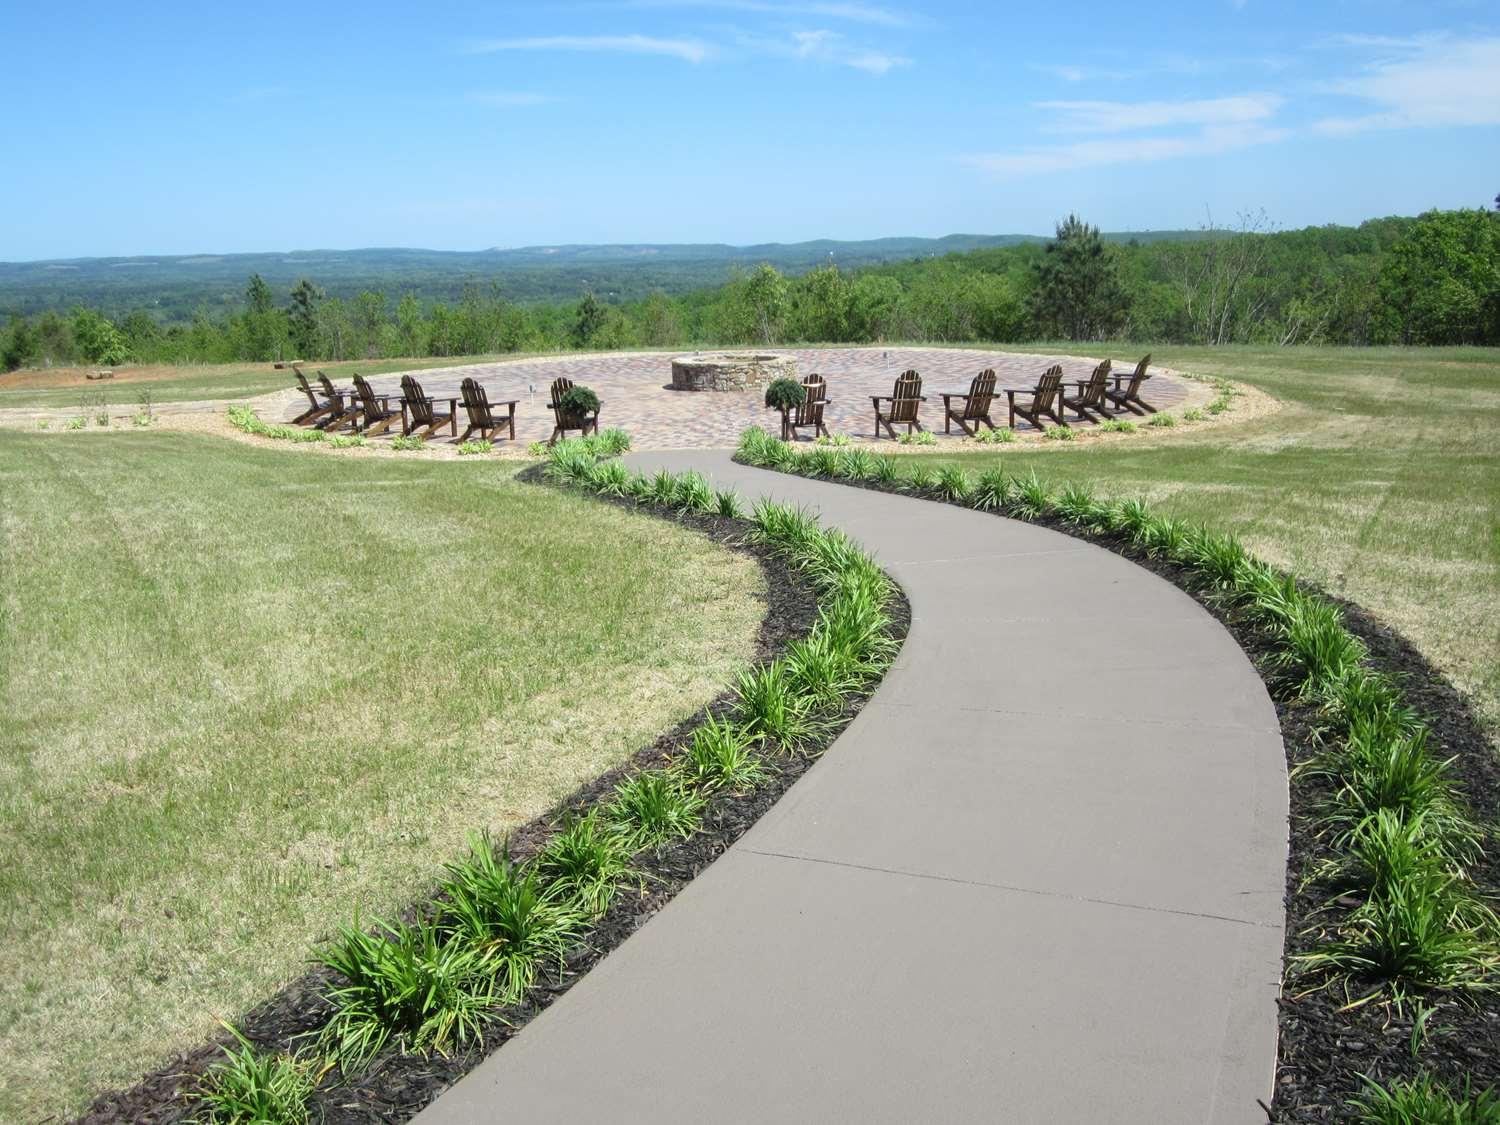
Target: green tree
column 302, row 319
column 261, row 330
column 660, row 327
column 97, row 339
column 821, row 305
column 1077, row 293
column 590, row 320
column 19, row 345
column 1440, row 284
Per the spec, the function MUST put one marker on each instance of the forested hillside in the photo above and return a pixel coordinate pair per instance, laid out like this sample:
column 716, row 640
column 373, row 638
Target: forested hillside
column 1434, row 279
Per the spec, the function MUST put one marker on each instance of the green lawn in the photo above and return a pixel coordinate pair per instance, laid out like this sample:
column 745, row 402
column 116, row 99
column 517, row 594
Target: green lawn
column 23, row 390
column 1379, row 479
column 247, row 690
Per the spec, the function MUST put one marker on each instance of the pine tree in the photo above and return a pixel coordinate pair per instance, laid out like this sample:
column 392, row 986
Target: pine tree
column 1078, row 295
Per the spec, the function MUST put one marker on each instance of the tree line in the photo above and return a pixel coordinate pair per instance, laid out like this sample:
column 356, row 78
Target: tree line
column 1433, row 279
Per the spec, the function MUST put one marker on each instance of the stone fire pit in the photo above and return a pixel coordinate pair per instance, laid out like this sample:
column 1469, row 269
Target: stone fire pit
column 730, row 371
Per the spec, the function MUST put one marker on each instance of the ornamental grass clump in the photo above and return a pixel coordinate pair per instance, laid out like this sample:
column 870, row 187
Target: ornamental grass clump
column 403, row 983
column 768, row 705
column 885, row 469
column 727, row 505
column 953, row 484
column 653, row 808
column 1060, row 433
column 693, row 494
column 1077, row 506
column 855, row 464
column 1030, row 499
column 1000, row 435
column 407, row 444
column 1425, row 1101
column 917, row 437
column 587, row 859
column 501, row 911
column 609, row 478
column 251, row 1086
column 722, row 755
column 474, row 448
column 1316, row 648
column 991, row 490
column 823, row 669
column 820, row 462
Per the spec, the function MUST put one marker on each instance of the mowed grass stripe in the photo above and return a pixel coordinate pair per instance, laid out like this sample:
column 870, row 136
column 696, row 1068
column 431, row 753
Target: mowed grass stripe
column 248, row 691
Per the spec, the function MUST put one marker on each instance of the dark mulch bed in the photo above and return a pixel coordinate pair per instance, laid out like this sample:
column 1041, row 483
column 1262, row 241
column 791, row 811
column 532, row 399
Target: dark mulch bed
column 395, row 1086
column 1324, row 1049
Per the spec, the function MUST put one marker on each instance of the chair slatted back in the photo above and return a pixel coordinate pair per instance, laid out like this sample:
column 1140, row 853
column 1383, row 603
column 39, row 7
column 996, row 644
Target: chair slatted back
column 306, row 388
column 1048, row 388
column 417, row 403
column 906, row 397
column 981, row 391
column 367, row 400
column 566, row 419
column 1093, row 390
column 1138, row 376
column 328, row 388
column 476, row 402
column 810, row 411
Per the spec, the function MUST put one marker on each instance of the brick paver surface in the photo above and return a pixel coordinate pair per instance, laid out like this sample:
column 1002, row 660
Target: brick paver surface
column 636, row 393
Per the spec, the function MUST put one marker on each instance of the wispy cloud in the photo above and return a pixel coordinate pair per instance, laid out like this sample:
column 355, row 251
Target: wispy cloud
column 691, row 50
column 850, row 12
column 1424, row 82
column 1141, row 132
column 824, row 46
column 1125, row 117
column 1125, row 150
column 509, row 99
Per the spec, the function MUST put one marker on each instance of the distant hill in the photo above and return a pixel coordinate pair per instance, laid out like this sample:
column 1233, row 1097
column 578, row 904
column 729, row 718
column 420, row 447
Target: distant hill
column 174, row 286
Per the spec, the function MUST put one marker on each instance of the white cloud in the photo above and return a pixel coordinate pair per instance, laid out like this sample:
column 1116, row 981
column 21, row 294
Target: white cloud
column 509, row 98
column 1125, row 150
column 1125, row 117
column 825, row 47
column 691, row 50
column 1426, row 83
column 850, row 12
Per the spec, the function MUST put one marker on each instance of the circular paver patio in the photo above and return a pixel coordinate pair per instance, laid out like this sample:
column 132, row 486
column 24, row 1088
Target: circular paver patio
column 635, row 389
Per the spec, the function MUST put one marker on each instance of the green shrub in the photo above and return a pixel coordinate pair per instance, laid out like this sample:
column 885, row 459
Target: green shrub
column 884, row 468
column 403, row 983
column 1165, row 420
column 1117, row 426
column 1315, row 646
column 855, row 464
column 578, row 400
column 1425, row 1101
column 917, row 437
column 1059, row 433
column 141, row 418
column 348, row 441
column 1076, row 505
column 77, row 423
column 1000, row 435
column 822, row 670
column 537, row 449
column 954, row 484
column 755, row 447
column 727, row 504
column 722, row 755
column 693, row 494
column 500, row 911
column 588, row 859
column 785, row 394
column 991, row 490
column 1193, row 415
column 837, row 440
column 922, row 479
column 823, row 462
column 1030, row 499
column 473, row 448
column 609, row 478
column 250, row 1087
column 769, row 706
column 654, row 808
column 43, row 423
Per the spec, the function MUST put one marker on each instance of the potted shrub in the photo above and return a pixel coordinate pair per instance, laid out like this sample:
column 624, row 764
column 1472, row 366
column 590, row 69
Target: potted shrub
column 783, row 394
column 579, row 402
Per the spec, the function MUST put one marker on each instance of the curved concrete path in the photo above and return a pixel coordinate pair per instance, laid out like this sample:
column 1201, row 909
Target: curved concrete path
column 1038, row 879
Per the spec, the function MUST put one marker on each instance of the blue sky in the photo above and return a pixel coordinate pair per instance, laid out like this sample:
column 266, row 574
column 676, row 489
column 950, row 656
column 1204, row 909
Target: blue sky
column 176, row 128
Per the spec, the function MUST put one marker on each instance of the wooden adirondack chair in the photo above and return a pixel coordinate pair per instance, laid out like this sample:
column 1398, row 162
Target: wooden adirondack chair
column 317, row 409
column 482, row 416
column 1044, row 399
column 976, row 405
column 563, row 420
column 809, row 413
column 419, row 411
column 1090, row 397
column 905, row 400
column 376, row 415
column 346, row 408
column 1130, row 396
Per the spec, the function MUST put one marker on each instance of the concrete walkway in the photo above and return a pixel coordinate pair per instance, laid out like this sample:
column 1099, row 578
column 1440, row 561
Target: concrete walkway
column 1038, row 879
